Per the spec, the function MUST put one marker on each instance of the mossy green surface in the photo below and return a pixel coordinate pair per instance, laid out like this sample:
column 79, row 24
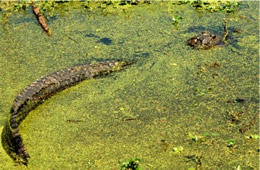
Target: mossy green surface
column 173, row 97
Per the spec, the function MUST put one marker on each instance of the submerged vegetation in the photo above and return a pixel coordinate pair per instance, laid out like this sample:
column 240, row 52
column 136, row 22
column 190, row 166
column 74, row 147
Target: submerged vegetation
column 132, row 164
column 54, row 6
column 212, row 6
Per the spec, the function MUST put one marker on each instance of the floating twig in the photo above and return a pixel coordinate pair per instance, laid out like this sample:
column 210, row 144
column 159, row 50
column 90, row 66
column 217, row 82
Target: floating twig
column 225, row 31
column 41, row 19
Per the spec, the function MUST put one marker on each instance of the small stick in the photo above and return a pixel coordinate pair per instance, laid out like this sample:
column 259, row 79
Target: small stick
column 225, row 31
column 41, row 19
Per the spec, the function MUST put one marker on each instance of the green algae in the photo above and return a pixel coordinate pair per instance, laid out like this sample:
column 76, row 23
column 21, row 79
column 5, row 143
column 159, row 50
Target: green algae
column 165, row 96
column 212, row 6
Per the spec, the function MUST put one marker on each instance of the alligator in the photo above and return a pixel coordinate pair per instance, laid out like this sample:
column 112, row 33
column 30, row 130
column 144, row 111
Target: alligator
column 206, row 40
column 42, row 89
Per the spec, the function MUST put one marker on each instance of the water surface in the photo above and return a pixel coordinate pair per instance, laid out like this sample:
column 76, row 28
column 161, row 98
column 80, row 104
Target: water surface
column 173, row 97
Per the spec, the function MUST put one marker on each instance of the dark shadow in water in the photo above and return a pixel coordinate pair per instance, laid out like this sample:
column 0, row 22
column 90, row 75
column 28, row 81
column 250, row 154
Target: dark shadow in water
column 106, row 41
column 198, row 29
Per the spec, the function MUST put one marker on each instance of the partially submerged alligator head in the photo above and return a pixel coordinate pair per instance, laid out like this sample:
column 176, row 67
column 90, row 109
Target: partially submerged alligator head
column 206, row 40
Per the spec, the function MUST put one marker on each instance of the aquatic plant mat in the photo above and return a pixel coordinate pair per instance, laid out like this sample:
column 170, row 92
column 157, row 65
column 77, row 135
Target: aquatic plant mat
column 175, row 108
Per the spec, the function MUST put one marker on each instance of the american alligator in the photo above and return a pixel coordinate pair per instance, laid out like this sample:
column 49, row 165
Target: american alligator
column 40, row 90
column 206, row 40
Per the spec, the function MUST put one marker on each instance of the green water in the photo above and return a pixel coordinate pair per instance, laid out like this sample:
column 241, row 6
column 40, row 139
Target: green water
column 172, row 97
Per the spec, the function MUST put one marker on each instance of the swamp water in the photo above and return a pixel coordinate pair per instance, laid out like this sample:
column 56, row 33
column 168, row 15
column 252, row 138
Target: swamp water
column 176, row 108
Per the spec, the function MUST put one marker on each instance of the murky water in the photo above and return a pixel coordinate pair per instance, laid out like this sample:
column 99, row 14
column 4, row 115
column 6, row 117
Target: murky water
column 173, row 97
